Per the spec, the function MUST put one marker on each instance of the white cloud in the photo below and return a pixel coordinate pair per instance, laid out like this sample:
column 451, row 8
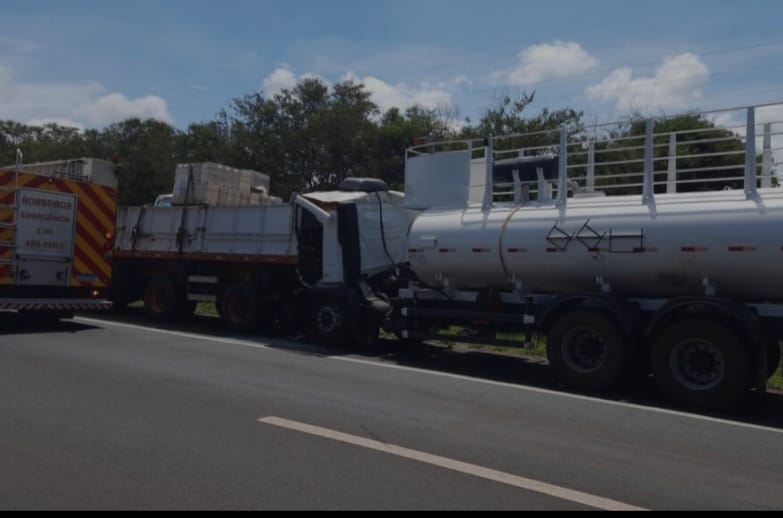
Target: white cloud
column 548, row 61
column 116, row 107
column 283, row 79
column 383, row 94
column 78, row 104
column 403, row 95
column 676, row 83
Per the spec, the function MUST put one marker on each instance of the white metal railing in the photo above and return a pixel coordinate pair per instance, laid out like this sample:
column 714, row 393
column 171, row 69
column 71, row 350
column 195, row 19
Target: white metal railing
column 738, row 148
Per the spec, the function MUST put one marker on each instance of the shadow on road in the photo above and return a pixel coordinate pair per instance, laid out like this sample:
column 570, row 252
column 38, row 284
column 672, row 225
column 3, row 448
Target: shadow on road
column 757, row 408
column 13, row 324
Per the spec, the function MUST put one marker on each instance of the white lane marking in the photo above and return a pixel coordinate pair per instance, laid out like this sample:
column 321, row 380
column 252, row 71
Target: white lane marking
column 528, row 484
column 621, row 404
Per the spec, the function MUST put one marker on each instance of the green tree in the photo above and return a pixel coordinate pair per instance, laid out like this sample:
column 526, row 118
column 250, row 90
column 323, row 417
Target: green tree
column 308, row 137
column 708, row 157
column 397, row 132
column 147, row 150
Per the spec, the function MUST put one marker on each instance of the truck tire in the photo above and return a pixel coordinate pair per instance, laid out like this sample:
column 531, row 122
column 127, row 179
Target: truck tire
column 161, row 298
column 701, row 363
column 587, row 350
column 773, row 357
column 240, row 306
column 330, row 321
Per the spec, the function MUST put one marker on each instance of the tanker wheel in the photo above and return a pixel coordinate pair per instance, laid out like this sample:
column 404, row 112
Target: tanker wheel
column 586, row 350
column 700, row 363
column 329, row 321
column 160, row 298
column 239, row 306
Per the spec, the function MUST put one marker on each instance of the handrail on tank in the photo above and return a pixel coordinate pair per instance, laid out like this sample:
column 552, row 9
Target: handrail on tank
column 606, row 157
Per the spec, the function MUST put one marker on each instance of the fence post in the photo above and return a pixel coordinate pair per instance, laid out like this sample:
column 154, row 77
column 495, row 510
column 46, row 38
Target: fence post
column 590, row 184
column 766, row 161
column 750, row 154
column 562, row 183
column 489, row 177
column 648, row 193
column 671, row 175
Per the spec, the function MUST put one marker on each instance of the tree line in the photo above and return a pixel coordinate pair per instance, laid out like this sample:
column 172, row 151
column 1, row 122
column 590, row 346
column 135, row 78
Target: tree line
column 305, row 138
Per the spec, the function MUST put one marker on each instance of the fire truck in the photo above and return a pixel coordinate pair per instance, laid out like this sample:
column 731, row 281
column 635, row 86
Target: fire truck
column 57, row 223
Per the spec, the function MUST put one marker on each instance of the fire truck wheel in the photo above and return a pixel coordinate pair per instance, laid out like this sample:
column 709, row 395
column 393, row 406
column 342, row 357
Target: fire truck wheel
column 700, row 362
column 160, row 298
column 587, row 350
column 240, row 306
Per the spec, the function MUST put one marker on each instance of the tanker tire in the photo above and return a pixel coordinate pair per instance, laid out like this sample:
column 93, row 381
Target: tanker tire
column 160, row 299
column 240, row 307
column 329, row 322
column 586, row 350
column 700, row 363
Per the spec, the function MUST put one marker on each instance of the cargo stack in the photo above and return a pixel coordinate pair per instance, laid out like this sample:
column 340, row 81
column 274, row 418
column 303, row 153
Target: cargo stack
column 217, row 185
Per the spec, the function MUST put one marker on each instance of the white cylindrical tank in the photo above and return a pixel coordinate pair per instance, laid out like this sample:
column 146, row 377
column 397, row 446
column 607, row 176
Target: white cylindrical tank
column 678, row 244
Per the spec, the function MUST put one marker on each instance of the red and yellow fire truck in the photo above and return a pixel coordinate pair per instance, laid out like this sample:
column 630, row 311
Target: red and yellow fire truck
column 57, row 224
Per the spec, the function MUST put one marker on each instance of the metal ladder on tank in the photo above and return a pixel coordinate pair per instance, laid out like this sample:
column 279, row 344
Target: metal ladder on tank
column 8, row 243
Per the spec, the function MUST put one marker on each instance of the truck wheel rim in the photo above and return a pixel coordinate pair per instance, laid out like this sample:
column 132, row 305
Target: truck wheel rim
column 584, row 350
column 697, row 364
column 328, row 320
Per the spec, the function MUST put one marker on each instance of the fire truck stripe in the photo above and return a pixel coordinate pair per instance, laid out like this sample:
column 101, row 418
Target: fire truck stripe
column 32, row 182
column 96, row 213
column 91, row 256
column 87, row 224
column 101, row 200
column 84, row 265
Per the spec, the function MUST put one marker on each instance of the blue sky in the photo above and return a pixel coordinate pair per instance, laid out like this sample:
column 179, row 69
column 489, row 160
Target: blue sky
column 91, row 63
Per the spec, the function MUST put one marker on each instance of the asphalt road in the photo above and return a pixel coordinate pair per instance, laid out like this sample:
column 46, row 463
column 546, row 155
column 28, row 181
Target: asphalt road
column 112, row 415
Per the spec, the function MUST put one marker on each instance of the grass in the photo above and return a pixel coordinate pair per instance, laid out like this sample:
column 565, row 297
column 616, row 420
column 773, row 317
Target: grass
column 776, row 381
column 206, row 309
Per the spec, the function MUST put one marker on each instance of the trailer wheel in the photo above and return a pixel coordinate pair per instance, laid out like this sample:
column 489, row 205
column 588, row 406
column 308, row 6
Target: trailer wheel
column 586, row 350
column 700, row 363
column 160, row 298
column 240, row 306
column 329, row 321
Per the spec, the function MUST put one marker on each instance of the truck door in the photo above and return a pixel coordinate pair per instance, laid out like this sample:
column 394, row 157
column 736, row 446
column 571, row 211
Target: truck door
column 45, row 237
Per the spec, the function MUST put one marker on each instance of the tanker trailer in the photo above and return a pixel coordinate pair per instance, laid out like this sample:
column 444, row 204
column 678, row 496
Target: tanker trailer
column 676, row 281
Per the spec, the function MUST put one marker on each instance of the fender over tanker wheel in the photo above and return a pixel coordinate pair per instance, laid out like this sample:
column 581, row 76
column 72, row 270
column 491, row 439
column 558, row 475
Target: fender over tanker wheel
column 160, row 298
column 700, row 363
column 239, row 306
column 586, row 350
